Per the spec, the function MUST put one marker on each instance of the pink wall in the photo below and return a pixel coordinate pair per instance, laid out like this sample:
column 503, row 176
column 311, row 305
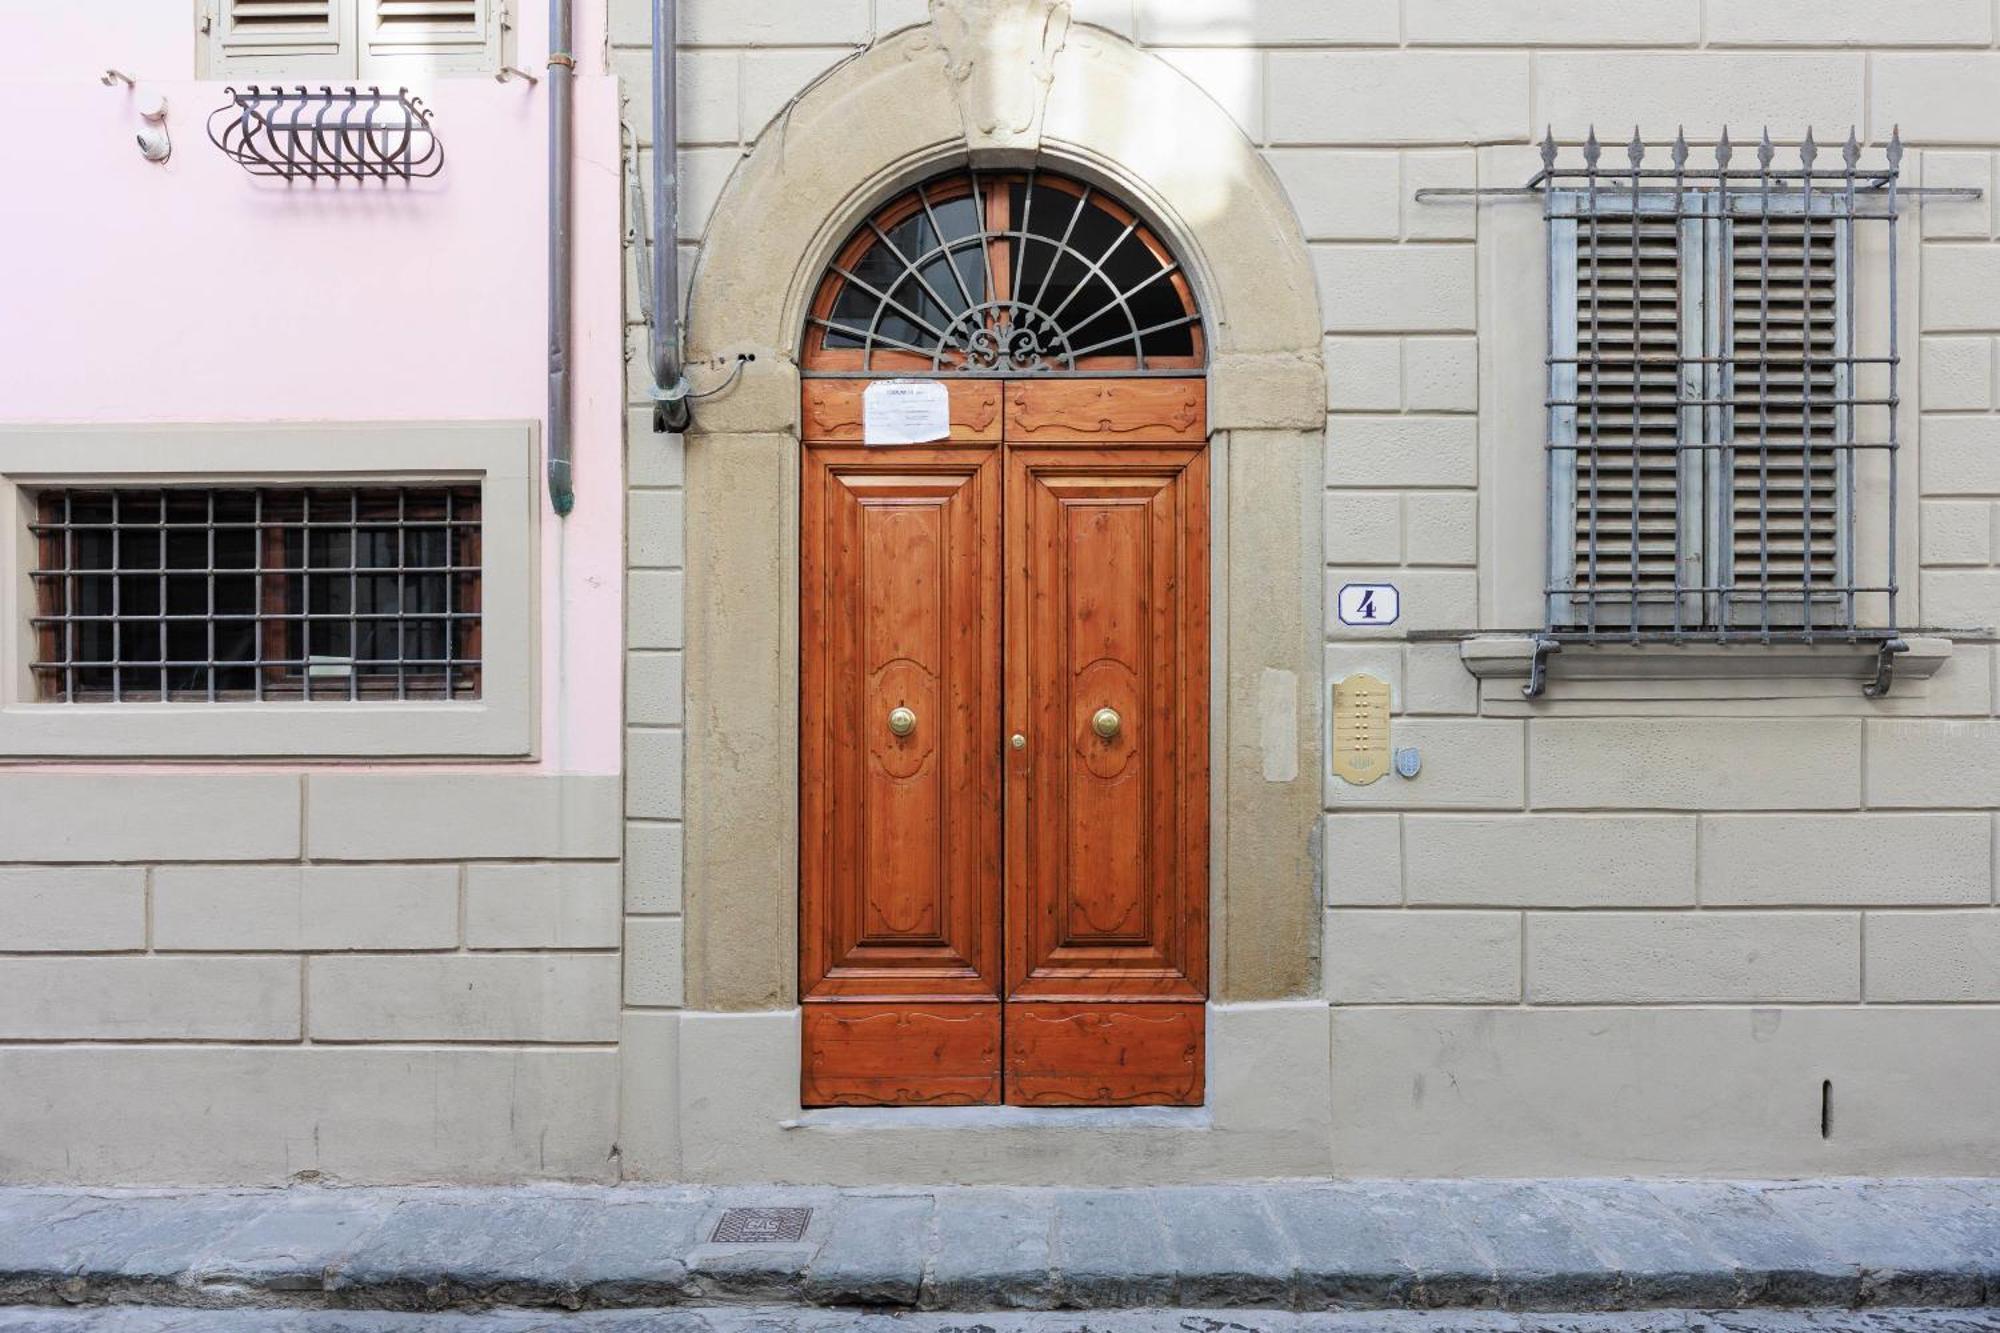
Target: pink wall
column 191, row 292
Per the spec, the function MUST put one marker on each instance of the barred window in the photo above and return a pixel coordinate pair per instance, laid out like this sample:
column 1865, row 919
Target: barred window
column 1720, row 425
column 213, row 594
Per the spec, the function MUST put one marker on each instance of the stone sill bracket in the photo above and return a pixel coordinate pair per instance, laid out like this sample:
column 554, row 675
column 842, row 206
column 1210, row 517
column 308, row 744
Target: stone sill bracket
column 1872, row 662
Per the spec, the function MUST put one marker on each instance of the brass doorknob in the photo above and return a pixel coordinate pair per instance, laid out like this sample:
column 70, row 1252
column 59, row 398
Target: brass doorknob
column 902, row 721
column 1105, row 723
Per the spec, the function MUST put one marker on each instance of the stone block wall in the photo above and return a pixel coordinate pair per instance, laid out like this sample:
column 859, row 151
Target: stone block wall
column 1728, row 906
column 1743, row 931
column 739, row 66
column 352, row 976
column 1629, row 912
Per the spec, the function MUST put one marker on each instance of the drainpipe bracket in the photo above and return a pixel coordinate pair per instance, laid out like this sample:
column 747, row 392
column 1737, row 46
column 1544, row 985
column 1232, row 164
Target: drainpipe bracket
column 670, row 407
column 562, row 488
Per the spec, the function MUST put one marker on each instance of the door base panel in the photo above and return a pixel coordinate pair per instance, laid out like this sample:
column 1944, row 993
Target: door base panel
column 1097, row 1054
column 900, row 1055
column 1058, row 1053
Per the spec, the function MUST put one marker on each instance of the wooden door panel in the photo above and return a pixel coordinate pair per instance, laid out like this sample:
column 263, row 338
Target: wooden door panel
column 899, row 874
column 1105, row 1054
column 1107, row 606
column 831, row 410
column 1107, row 411
column 1095, row 535
column 913, row 1054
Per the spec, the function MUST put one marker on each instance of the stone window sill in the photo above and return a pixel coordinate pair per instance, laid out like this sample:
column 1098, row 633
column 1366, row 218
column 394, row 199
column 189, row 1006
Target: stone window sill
column 1662, row 675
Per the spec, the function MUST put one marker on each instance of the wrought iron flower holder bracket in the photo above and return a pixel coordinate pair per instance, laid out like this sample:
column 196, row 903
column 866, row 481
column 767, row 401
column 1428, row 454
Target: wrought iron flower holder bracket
column 328, row 133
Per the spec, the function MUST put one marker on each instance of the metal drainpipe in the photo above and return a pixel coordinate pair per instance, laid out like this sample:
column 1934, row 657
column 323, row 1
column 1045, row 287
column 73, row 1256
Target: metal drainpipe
column 670, row 386
column 562, row 73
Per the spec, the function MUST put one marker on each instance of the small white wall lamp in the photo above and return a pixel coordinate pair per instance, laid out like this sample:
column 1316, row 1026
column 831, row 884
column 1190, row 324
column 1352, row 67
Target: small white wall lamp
column 155, row 144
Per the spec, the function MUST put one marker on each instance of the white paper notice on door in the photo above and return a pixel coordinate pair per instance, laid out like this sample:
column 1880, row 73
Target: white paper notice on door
column 905, row 412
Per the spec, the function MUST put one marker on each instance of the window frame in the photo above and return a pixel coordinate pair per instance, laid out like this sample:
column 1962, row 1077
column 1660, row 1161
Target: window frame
column 356, row 57
column 501, row 457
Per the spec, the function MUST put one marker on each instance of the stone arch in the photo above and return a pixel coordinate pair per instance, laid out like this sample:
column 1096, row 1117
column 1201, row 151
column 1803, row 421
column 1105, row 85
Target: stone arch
column 1002, row 83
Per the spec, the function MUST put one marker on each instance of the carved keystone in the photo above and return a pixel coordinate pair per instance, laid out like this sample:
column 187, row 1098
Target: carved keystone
column 1000, row 58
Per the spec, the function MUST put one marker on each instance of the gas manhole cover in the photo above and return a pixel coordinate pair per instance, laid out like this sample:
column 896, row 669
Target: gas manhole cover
column 761, row 1226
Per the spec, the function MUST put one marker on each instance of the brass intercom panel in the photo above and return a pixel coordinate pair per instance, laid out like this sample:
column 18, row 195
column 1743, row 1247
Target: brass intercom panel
column 1360, row 729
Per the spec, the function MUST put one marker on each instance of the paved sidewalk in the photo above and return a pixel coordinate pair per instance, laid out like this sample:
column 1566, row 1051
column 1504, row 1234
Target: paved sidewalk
column 1510, row 1245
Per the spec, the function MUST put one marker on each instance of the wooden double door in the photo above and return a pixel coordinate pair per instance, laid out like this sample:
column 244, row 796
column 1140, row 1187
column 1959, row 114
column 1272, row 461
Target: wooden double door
column 1004, row 749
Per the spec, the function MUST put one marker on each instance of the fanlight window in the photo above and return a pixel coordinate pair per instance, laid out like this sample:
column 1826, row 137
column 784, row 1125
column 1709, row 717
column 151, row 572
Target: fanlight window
column 977, row 273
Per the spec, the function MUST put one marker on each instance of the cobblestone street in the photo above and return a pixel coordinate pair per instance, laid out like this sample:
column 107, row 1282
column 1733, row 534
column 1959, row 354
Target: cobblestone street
column 156, row 1320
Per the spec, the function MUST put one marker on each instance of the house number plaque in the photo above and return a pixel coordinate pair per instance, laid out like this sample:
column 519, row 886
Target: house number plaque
column 1360, row 729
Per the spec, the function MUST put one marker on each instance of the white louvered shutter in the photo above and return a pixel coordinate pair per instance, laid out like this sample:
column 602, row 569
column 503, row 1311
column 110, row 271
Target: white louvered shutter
column 403, row 41
column 1773, row 509
column 284, row 40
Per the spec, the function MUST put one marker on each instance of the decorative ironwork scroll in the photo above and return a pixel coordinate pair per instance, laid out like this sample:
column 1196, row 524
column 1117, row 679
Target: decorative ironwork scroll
column 327, row 133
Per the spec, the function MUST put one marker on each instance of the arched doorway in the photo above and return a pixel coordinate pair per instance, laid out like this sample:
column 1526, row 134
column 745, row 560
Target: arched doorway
column 1004, row 659
column 1126, row 120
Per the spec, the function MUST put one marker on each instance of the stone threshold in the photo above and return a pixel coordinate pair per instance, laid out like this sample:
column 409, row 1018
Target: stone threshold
column 1551, row 1245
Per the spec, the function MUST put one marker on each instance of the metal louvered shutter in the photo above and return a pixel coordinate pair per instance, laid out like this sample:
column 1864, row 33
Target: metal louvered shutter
column 1629, row 292
column 1723, row 439
column 1633, row 533
column 303, row 39
column 1691, row 351
column 1788, row 488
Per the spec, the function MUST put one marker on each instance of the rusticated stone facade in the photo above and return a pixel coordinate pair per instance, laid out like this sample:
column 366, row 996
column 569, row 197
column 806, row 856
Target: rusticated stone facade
column 1724, row 919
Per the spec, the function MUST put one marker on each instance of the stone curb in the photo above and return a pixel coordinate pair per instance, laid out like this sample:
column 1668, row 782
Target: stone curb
column 1506, row 1245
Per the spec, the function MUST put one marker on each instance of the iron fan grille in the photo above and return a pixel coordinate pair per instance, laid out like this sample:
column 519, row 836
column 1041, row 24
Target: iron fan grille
column 1004, row 274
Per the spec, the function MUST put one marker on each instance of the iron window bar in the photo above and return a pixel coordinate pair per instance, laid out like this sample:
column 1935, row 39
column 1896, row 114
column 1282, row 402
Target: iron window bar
column 190, row 594
column 1708, row 377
